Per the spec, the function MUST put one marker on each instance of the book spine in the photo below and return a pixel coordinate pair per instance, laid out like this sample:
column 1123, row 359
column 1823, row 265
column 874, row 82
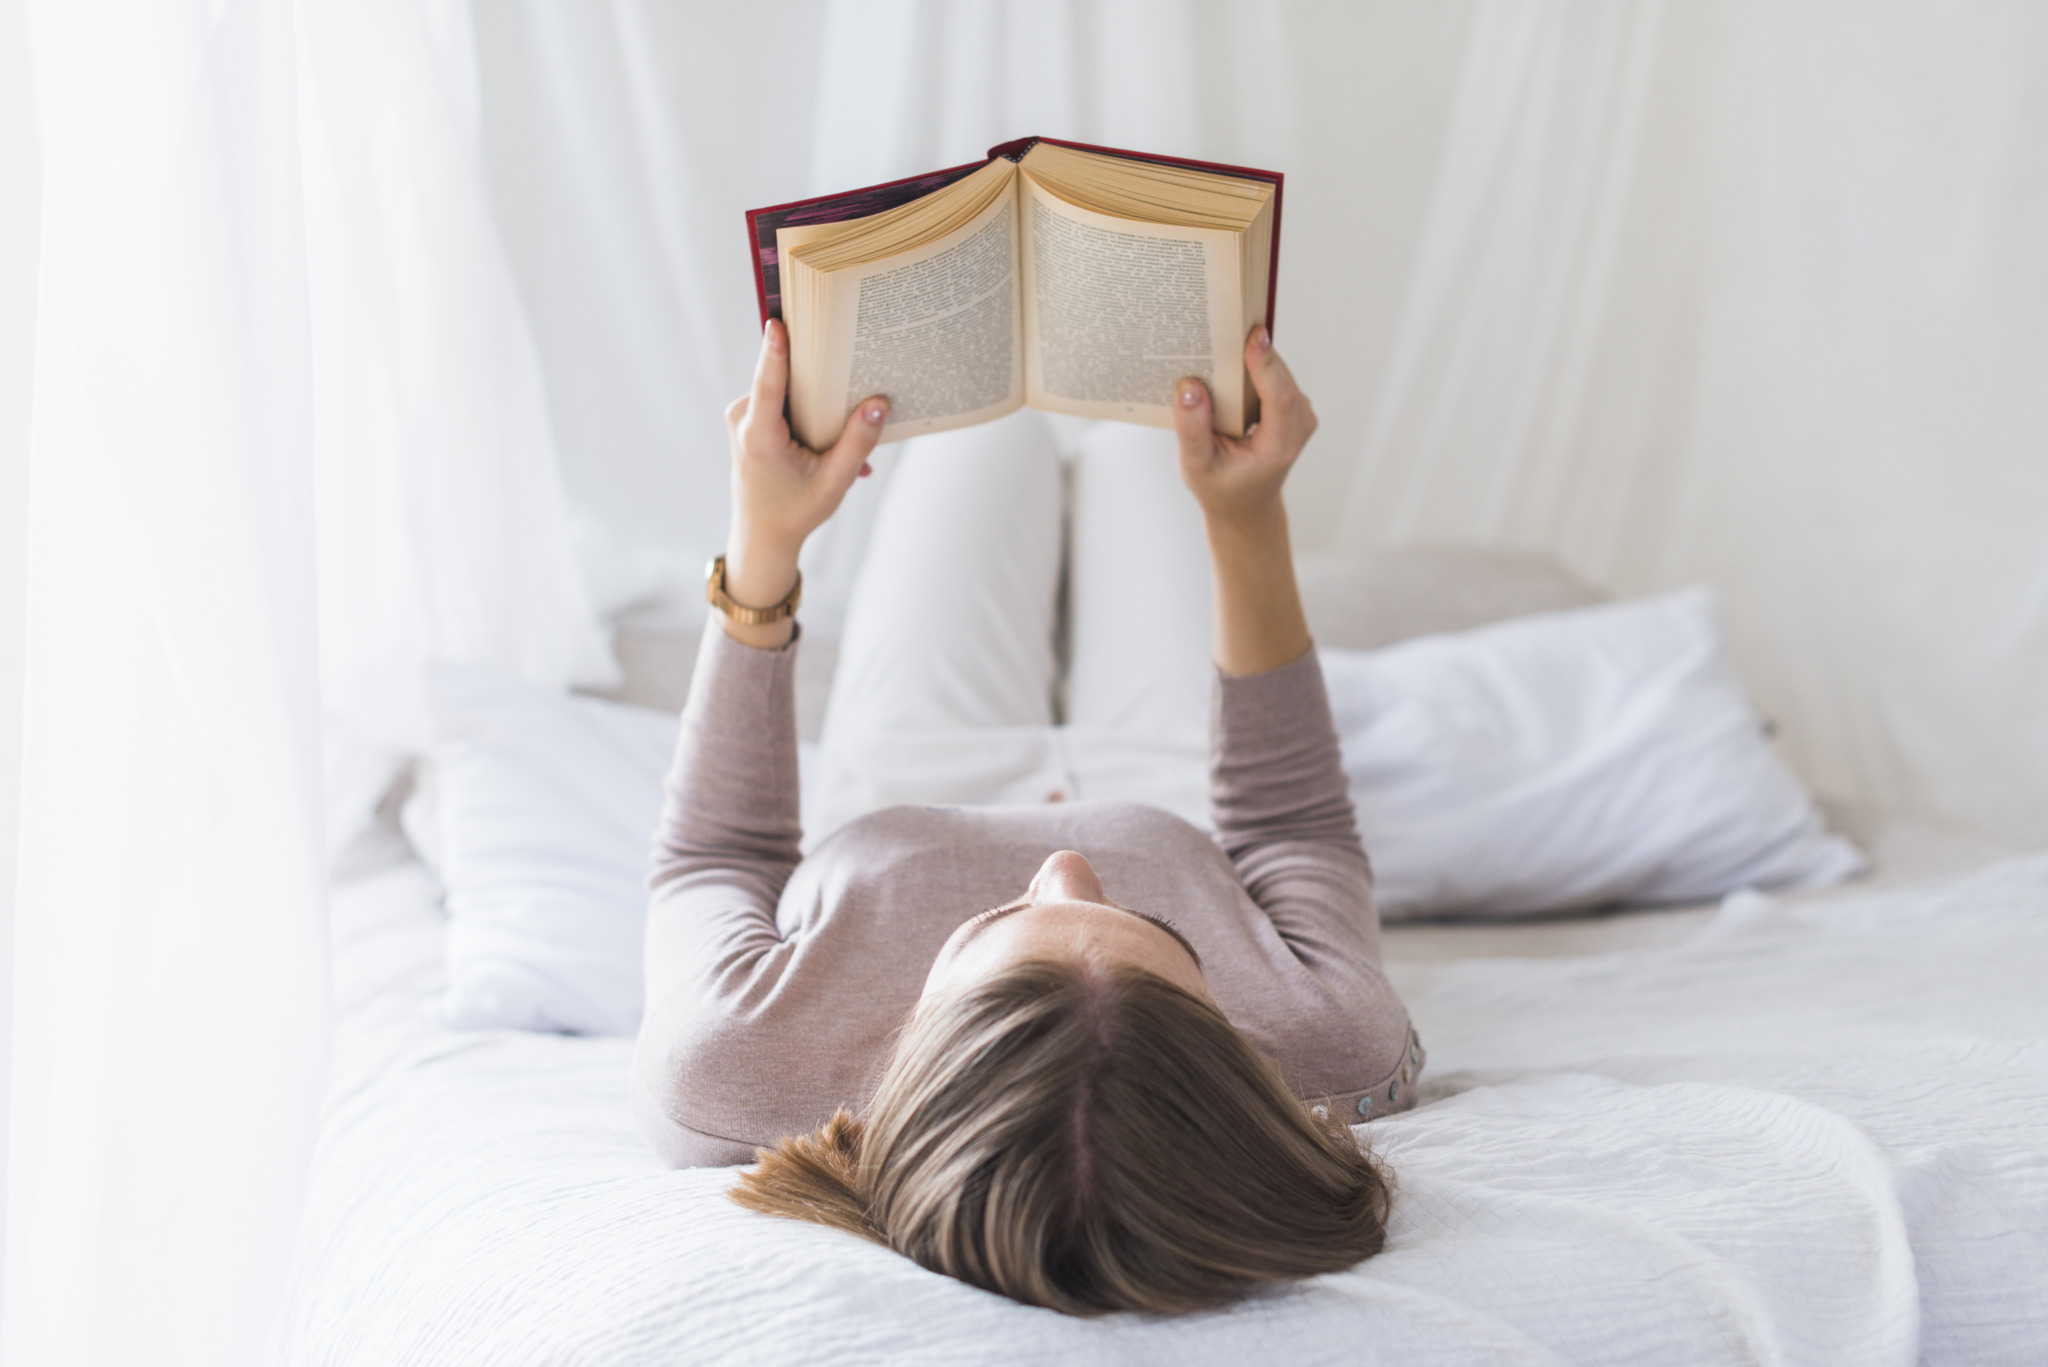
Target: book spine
column 761, row 267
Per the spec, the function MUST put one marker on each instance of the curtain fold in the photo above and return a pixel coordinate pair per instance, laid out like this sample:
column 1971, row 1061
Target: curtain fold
column 443, row 530
column 290, row 442
column 1752, row 295
column 170, row 1009
column 624, row 142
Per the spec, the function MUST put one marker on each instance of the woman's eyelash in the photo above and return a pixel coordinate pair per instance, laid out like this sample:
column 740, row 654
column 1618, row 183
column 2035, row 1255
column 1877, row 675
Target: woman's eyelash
column 979, row 917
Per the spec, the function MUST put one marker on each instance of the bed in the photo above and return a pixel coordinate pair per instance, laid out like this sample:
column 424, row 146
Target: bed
column 1800, row 1128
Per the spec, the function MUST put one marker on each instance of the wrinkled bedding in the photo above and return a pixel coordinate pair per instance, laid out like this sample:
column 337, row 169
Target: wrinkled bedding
column 1809, row 1131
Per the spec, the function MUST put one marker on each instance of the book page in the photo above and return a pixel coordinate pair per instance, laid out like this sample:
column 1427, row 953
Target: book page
column 1116, row 310
column 935, row 329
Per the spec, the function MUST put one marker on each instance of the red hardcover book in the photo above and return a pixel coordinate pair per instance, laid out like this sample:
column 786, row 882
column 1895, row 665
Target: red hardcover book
column 920, row 412
column 762, row 223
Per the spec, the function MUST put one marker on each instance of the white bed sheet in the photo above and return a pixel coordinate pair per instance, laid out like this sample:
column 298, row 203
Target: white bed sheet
column 1809, row 1132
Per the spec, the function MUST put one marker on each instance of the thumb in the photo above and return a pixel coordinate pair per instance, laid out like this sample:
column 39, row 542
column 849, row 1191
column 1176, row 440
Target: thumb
column 1193, row 423
column 863, row 429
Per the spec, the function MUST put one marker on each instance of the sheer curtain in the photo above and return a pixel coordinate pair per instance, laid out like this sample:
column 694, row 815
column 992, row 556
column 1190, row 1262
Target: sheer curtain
column 442, row 526
column 289, row 441
column 170, row 994
column 1745, row 293
column 1754, row 295
column 625, row 140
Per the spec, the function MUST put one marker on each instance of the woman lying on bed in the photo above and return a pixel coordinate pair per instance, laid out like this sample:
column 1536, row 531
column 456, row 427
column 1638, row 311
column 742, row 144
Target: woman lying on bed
column 1079, row 1052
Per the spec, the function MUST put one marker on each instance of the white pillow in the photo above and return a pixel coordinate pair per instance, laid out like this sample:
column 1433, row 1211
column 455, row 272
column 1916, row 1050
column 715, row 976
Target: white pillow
column 538, row 808
column 1570, row 759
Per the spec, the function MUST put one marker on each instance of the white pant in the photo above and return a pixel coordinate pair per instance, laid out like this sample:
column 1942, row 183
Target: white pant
column 949, row 687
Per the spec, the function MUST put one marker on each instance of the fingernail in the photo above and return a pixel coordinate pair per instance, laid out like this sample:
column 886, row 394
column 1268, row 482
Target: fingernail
column 875, row 412
column 772, row 335
column 866, row 469
column 1264, row 339
column 1190, row 393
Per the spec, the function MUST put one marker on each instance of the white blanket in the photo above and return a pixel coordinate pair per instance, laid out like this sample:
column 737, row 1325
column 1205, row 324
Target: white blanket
column 1814, row 1132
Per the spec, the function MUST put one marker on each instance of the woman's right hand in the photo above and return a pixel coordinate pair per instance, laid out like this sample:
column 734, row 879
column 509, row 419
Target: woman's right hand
column 782, row 491
column 1240, row 477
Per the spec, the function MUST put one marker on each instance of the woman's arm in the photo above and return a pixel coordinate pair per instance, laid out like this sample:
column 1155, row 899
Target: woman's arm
column 731, row 822
column 1281, row 804
column 730, row 826
column 1237, row 481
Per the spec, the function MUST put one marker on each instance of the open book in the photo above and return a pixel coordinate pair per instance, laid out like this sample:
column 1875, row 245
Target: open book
column 1072, row 278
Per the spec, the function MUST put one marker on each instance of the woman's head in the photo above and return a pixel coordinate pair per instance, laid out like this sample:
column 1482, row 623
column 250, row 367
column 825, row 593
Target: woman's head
column 1080, row 1132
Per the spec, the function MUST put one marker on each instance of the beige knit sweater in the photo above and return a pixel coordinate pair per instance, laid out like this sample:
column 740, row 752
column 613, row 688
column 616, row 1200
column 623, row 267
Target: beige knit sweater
column 785, row 978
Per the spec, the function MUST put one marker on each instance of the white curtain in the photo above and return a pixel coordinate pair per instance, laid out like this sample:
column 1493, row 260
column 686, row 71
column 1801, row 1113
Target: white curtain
column 289, row 441
column 169, row 965
column 1755, row 294
column 442, row 527
column 625, row 140
column 1676, row 290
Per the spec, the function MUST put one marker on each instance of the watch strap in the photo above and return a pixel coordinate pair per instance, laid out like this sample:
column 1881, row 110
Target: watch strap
column 716, row 595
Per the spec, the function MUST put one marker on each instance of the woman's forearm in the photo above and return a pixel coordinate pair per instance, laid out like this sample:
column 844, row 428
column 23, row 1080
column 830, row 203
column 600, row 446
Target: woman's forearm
column 1259, row 622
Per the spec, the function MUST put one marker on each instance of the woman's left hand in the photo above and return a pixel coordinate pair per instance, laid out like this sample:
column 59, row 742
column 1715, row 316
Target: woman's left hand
column 781, row 490
column 1239, row 478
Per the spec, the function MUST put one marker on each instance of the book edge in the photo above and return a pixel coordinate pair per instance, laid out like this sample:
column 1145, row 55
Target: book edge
column 758, row 254
column 1017, row 147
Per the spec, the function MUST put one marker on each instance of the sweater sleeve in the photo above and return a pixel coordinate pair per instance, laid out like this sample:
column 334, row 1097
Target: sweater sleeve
column 1283, row 812
column 727, row 844
column 730, row 822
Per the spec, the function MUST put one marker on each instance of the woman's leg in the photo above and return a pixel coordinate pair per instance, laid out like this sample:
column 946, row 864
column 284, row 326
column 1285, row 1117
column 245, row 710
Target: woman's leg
column 1139, row 681
column 944, row 688
column 1139, row 593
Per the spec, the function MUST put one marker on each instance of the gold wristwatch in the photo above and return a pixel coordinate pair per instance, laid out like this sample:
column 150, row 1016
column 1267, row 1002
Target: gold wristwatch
column 715, row 594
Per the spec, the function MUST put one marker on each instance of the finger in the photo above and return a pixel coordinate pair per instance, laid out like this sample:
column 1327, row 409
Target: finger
column 1192, row 422
column 1270, row 376
column 736, row 411
column 771, row 372
column 863, row 429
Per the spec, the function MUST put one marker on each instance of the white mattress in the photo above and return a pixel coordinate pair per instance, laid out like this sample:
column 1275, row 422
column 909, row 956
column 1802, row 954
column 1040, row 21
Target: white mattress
column 1808, row 1132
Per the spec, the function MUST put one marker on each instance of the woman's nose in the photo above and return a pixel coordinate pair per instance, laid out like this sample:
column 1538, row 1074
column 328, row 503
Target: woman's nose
column 1066, row 877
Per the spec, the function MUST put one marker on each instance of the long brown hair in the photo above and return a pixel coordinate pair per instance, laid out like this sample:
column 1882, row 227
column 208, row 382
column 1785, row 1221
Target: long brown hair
column 1089, row 1139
